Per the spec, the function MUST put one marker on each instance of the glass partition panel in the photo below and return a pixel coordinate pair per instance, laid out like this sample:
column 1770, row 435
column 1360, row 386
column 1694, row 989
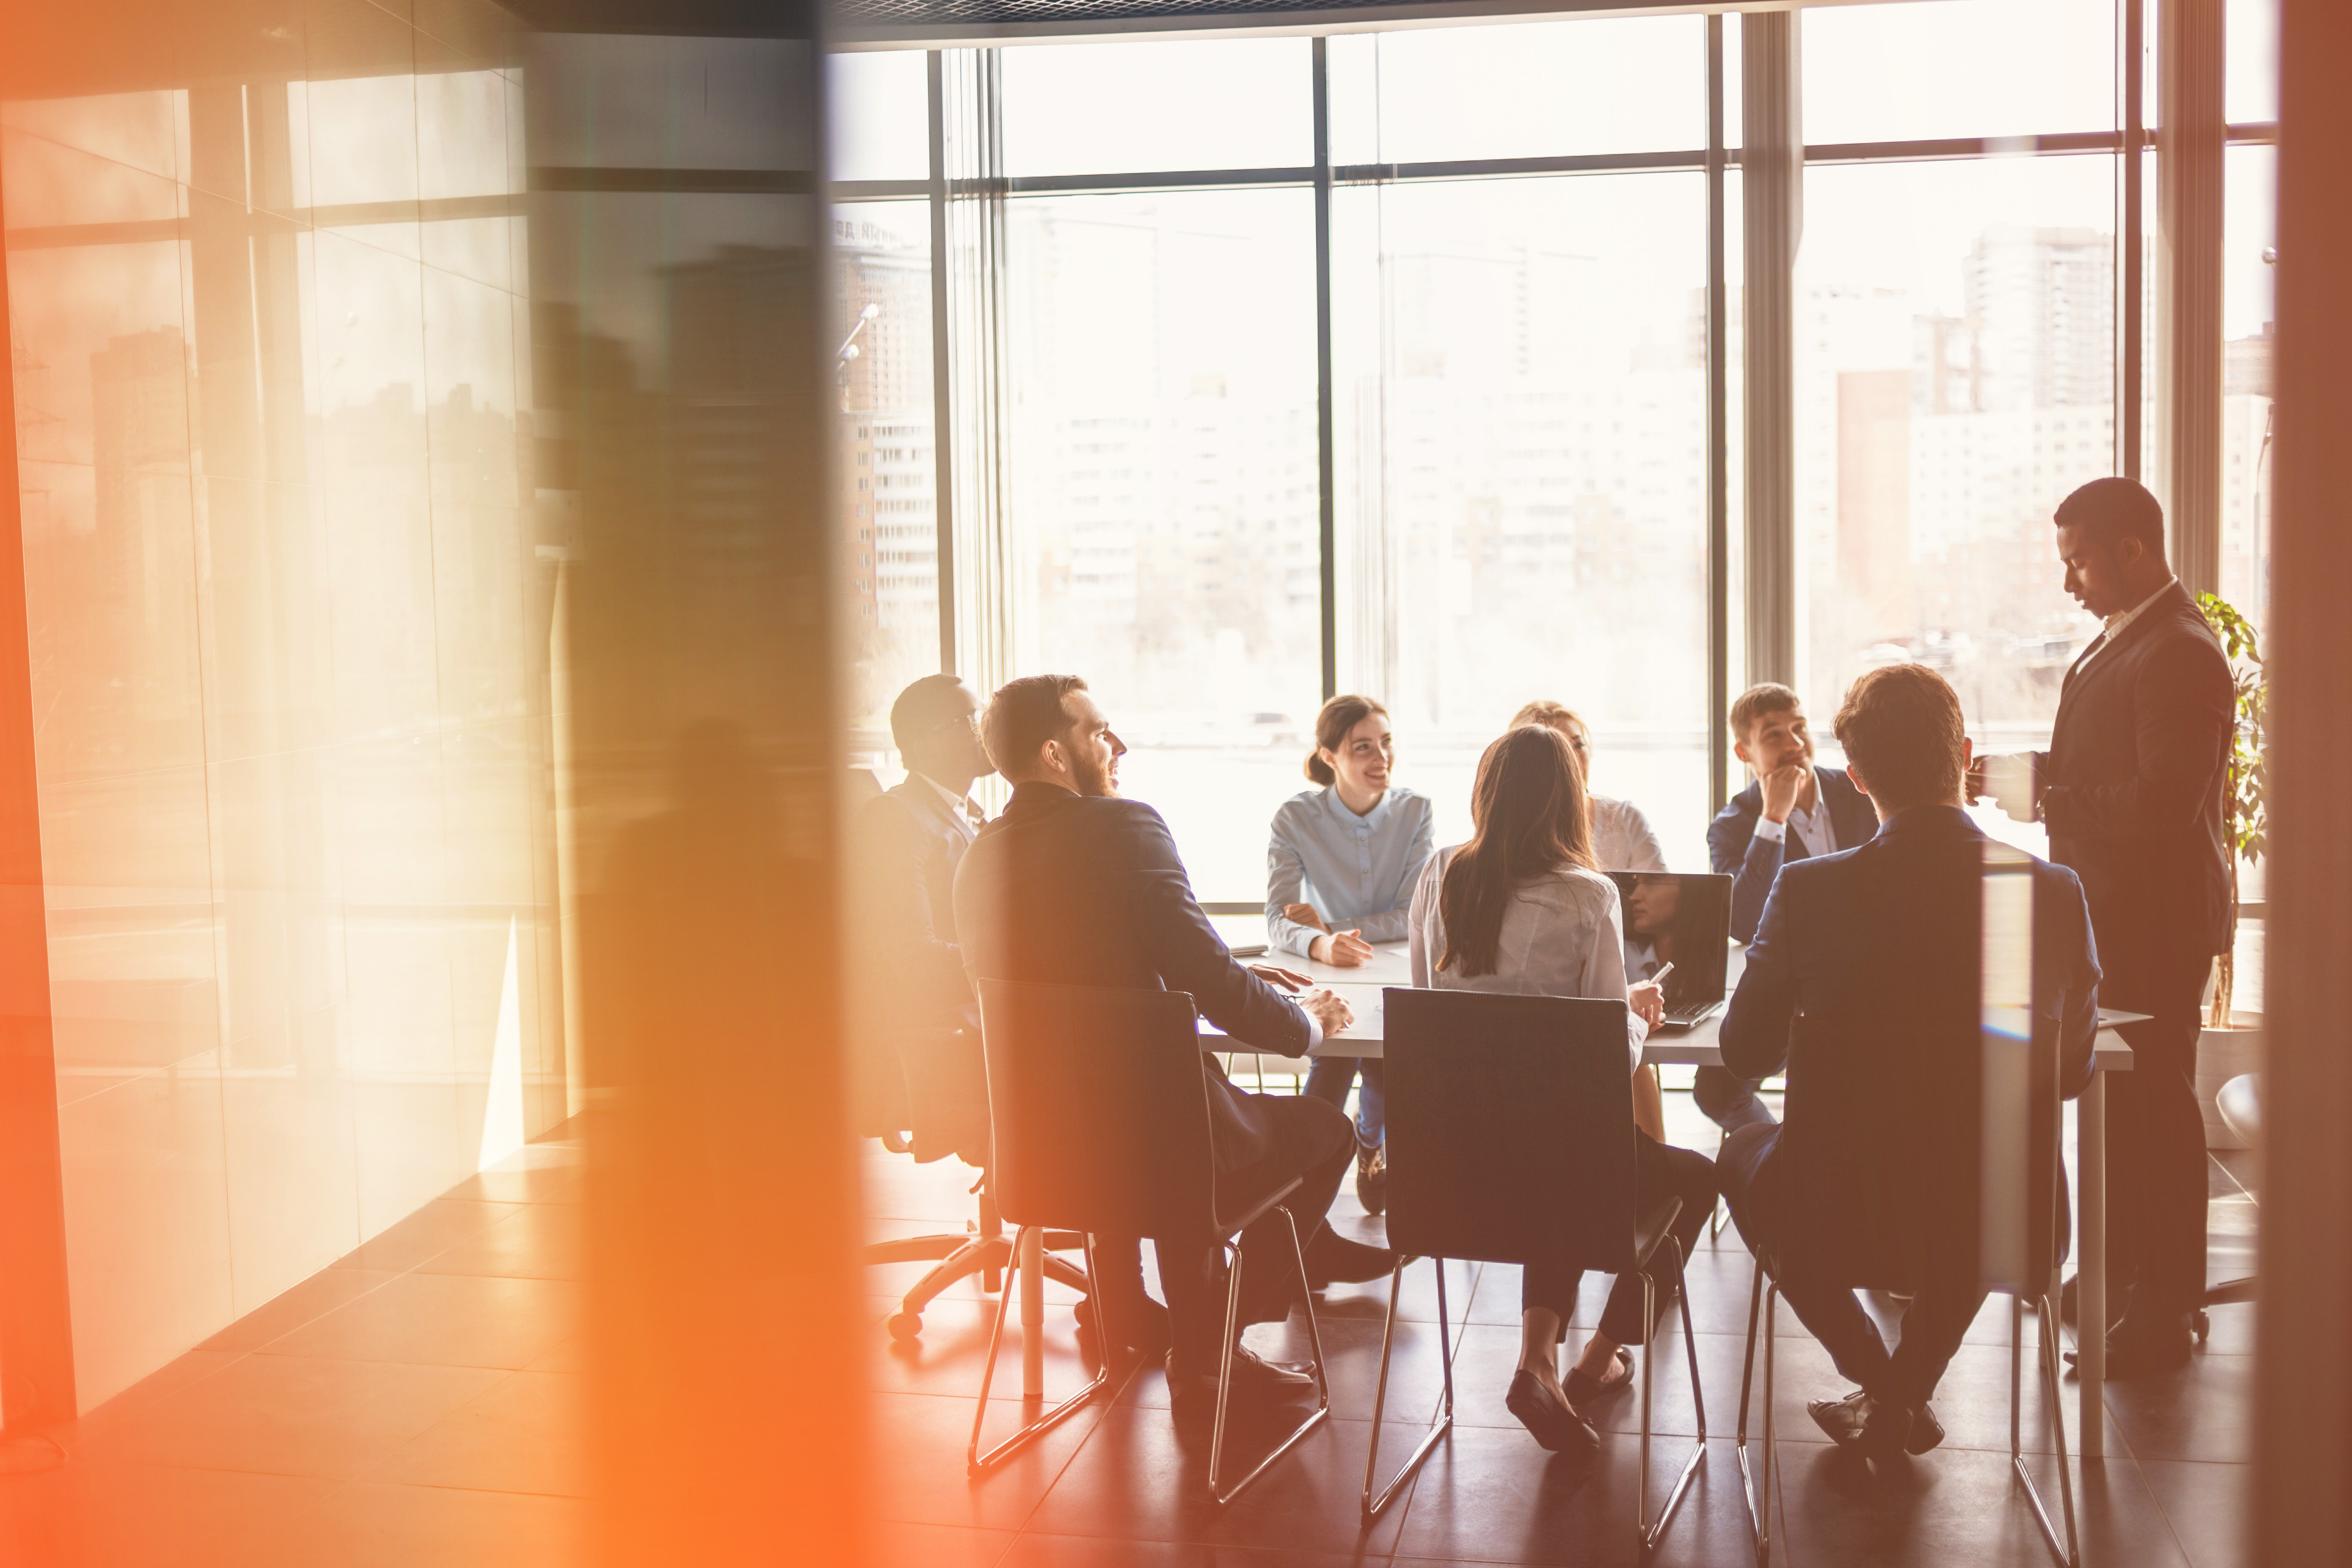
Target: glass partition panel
column 1521, row 426
column 1962, row 67
column 1222, row 103
column 1161, row 495
column 1954, row 348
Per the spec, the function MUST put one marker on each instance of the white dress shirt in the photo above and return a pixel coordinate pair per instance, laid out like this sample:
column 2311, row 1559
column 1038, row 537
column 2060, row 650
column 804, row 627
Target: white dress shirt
column 960, row 808
column 1812, row 825
column 1562, row 936
column 2116, row 624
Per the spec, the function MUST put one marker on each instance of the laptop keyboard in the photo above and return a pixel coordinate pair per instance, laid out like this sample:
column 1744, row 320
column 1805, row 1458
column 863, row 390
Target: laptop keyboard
column 1691, row 1012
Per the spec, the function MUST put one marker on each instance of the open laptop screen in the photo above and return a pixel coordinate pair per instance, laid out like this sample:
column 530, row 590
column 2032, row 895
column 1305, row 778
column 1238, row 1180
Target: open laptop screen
column 1682, row 919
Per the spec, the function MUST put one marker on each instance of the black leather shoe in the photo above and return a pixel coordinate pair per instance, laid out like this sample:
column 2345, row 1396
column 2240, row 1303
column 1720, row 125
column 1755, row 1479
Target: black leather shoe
column 1926, row 1430
column 1192, row 1388
column 1335, row 1260
column 2137, row 1349
column 1870, row 1427
column 1373, row 1177
column 1555, row 1426
column 1583, row 1391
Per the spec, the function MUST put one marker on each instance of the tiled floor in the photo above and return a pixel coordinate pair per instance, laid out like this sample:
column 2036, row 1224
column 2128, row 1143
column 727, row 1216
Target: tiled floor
column 417, row 1404
column 1116, row 1485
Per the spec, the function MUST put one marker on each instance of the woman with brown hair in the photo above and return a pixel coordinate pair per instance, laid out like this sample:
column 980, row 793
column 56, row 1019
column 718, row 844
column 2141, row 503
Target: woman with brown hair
column 1623, row 839
column 1520, row 909
column 1339, row 864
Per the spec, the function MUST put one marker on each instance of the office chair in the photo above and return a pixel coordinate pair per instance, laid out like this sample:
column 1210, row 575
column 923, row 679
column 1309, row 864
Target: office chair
column 2240, row 1102
column 1117, row 1142
column 931, row 1086
column 1896, row 1190
column 1511, row 1137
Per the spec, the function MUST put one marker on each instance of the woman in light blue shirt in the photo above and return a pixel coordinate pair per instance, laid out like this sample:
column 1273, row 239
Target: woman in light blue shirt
column 1339, row 873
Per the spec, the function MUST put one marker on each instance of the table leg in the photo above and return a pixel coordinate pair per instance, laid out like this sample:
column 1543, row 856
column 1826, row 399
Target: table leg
column 2091, row 1329
column 1030, row 1266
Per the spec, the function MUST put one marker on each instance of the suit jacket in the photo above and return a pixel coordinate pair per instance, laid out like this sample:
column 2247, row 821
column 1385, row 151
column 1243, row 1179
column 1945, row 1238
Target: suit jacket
column 1862, row 982
column 1733, row 849
column 907, row 846
column 2132, row 782
column 1080, row 889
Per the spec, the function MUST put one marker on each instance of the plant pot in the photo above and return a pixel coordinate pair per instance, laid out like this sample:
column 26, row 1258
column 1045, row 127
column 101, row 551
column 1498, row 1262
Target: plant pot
column 2222, row 1055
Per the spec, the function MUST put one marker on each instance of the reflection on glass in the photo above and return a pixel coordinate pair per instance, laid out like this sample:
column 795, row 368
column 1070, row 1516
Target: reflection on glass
column 1962, row 68
column 1954, row 383
column 1227, row 103
column 270, row 361
column 1523, row 506
column 1162, row 495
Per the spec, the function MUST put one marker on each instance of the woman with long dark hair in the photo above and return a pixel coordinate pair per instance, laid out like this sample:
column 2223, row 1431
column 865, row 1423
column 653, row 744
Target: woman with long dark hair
column 1339, row 865
column 1520, row 909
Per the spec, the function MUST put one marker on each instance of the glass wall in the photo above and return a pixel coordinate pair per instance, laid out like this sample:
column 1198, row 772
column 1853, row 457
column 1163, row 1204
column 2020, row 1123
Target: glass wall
column 272, row 363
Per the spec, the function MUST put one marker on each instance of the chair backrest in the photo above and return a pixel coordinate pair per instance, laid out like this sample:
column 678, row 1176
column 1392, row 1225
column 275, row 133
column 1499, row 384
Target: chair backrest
column 1510, row 1128
column 1100, row 1109
column 1886, row 1138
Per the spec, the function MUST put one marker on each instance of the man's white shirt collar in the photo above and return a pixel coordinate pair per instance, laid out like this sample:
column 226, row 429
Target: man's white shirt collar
column 2116, row 624
column 958, row 807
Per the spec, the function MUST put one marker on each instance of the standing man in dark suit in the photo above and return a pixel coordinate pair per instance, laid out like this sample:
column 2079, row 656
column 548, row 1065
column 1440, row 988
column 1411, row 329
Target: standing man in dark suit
column 1864, row 980
column 1793, row 810
column 1074, row 882
column 2131, row 791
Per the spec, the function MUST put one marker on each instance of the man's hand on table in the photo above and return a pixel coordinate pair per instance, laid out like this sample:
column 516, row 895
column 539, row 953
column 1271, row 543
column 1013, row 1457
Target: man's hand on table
column 1327, row 1009
column 1281, row 979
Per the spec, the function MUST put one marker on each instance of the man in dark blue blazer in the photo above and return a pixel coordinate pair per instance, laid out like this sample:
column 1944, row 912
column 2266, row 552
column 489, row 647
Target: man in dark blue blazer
column 1073, row 884
column 1794, row 809
column 1864, row 983
column 2131, row 791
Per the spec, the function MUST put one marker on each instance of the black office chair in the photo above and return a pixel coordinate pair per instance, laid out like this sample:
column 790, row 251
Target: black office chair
column 925, row 1094
column 1101, row 1116
column 1510, row 1137
column 1896, row 1187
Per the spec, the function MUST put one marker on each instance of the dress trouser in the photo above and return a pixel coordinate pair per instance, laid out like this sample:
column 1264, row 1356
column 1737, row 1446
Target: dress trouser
column 1330, row 1079
column 1730, row 1100
column 2157, row 1188
column 1933, row 1325
column 1658, row 1169
column 1310, row 1139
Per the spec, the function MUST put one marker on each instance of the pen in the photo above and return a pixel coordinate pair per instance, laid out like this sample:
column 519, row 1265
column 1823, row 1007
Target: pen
column 1659, row 979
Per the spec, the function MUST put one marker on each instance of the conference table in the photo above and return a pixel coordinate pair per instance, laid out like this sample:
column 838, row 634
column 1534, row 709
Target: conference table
column 1696, row 1045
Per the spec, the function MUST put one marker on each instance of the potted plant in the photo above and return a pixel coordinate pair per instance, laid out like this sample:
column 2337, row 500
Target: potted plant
column 2231, row 1042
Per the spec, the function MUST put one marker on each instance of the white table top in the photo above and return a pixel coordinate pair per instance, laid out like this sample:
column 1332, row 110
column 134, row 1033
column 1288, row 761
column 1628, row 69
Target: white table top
column 1693, row 1047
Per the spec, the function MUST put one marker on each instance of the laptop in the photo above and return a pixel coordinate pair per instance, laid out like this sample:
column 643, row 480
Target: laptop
column 1685, row 920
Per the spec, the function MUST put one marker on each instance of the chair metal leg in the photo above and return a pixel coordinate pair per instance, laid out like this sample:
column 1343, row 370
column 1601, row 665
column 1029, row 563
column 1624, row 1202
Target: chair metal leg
column 975, row 1462
column 1756, row 1489
column 1650, row 1536
column 1222, row 1496
column 1444, row 1422
column 2068, row 1550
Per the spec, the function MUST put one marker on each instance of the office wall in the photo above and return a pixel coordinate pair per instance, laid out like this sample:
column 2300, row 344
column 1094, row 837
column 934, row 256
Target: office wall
column 288, row 633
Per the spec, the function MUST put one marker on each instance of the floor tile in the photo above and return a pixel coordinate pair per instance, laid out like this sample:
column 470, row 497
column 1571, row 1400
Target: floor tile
column 1140, row 1479
column 2204, row 1411
column 895, row 1545
column 377, row 1525
column 528, row 1433
column 97, row 1514
column 446, row 1319
column 1959, row 1506
column 920, row 1441
column 566, row 1184
column 193, row 1367
column 2205, row 1505
column 1487, row 1495
column 434, row 1228
column 1039, row 1551
column 546, row 1241
column 314, row 1298
column 951, row 1351
column 294, row 1415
